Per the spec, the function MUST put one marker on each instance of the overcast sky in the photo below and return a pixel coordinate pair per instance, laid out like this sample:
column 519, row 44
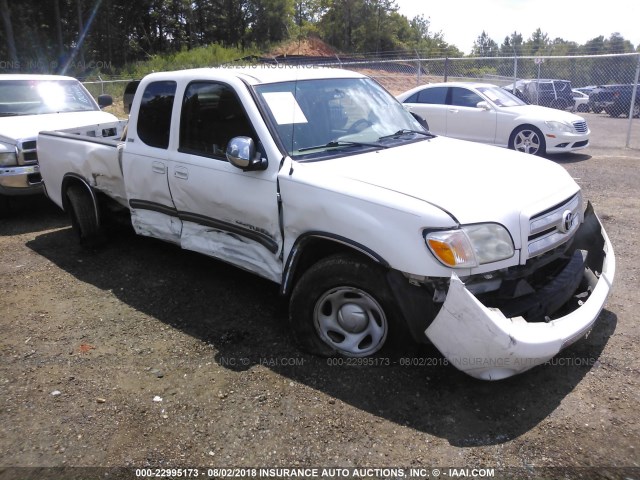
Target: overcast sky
column 462, row 21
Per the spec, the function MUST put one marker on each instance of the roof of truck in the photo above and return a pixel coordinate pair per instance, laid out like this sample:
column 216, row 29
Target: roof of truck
column 261, row 73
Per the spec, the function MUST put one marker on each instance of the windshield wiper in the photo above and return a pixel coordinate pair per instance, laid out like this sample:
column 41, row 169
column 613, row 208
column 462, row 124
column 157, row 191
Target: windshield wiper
column 341, row 143
column 406, row 131
column 10, row 114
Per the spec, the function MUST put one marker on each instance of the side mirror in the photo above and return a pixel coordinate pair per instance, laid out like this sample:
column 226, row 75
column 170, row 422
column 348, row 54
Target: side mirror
column 421, row 121
column 105, row 101
column 483, row 105
column 242, row 154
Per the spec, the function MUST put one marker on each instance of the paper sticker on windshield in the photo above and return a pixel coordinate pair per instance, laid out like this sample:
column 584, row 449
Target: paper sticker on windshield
column 285, row 108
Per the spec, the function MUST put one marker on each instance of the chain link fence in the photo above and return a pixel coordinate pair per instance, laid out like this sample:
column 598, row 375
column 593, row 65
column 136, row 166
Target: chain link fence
column 611, row 81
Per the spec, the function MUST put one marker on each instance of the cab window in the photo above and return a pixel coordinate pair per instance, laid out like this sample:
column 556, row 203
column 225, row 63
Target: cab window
column 211, row 115
column 154, row 119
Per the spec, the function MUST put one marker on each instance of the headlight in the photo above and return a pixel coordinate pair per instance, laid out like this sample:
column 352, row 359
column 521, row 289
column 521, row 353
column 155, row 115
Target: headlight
column 471, row 245
column 8, row 159
column 560, row 127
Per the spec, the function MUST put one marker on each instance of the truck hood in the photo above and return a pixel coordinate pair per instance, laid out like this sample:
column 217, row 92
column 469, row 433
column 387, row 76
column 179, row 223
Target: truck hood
column 470, row 181
column 22, row 127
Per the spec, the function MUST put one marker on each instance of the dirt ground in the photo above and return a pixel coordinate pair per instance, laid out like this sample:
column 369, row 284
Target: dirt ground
column 140, row 355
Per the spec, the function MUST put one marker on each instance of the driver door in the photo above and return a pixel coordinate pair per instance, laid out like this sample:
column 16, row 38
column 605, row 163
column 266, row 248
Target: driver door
column 466, row 121
column 226, row 212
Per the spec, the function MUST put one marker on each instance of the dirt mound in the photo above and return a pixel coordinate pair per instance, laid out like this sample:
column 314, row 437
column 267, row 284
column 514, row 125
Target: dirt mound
column 313, row 47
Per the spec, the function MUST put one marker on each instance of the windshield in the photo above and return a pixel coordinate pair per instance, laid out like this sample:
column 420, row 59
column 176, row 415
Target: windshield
column 36, row 97
column 501, row 97
column 319, row 118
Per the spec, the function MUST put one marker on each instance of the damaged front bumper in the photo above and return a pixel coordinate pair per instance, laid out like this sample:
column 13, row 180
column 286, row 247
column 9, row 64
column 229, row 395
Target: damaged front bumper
column 485, row 344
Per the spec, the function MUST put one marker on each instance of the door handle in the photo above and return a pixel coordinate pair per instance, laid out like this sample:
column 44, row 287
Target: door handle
column 453, row 110
column 159, row 167
column 181, row 172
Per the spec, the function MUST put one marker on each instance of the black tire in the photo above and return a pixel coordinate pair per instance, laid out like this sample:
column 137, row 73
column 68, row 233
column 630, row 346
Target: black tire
column 5, row 206
column 84, row 221
column 342, row 306
column 528, row 139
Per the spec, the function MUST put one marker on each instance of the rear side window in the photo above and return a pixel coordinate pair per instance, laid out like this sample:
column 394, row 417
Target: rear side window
column 435, row 95
column 154, row 119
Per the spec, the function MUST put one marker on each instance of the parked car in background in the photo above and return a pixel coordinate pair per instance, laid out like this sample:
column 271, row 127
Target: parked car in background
column 30, row 104
column 600, row 97
column 617, row 101
column 586, row 90
column 486, row 113
column 546, row 92
column 581, row 101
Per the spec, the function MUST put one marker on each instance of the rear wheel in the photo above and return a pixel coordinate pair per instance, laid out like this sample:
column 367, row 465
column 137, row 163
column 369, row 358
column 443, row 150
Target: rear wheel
column 342, row 305
column 528, row 139
column 84, row 220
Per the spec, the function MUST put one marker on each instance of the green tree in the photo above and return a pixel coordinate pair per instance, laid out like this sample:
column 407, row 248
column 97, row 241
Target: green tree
column 617, row 44
column 8, row 32
column 536, row 44
column 269, row 20
column 512, row 45
column 485, row 46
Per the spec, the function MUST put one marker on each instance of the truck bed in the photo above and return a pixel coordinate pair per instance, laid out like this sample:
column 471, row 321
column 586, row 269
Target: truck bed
column 92, row 152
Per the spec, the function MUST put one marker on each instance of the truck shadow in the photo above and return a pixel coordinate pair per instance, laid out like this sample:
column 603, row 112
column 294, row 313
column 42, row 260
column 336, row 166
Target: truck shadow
column 242, row 318
column 31, row 213
column 569, row 157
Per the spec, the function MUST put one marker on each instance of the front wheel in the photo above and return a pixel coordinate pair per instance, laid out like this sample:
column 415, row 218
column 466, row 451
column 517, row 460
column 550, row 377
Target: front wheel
column 528, row 139
column 342, row 305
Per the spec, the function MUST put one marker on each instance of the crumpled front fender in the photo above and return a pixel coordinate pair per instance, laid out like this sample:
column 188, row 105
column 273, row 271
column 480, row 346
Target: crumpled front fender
column 485, row 344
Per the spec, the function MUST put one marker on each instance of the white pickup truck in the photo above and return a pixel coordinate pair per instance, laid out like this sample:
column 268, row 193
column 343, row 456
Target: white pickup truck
column 320, row 181
column 28, row 105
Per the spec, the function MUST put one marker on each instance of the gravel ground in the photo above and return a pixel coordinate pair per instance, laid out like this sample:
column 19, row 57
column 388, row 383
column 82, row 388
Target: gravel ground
column 141, row 355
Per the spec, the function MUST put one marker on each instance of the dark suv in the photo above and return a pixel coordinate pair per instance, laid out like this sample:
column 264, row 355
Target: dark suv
column 548, row 92
column 615, row 100
column 622, row 102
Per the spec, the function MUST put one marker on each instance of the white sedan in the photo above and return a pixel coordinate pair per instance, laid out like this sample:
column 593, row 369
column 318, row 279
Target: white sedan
column 481, row 112
column 581, row 101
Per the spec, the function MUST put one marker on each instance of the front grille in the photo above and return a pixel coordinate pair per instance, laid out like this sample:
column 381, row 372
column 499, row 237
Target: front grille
column 581, row 127
column 28, row 153
column 554, row 226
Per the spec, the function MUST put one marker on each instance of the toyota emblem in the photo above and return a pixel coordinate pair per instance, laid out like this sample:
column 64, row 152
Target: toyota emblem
column 567, row 221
